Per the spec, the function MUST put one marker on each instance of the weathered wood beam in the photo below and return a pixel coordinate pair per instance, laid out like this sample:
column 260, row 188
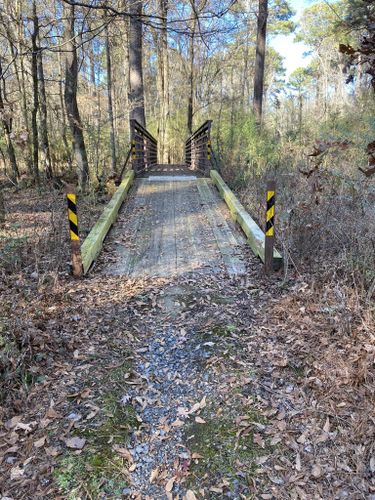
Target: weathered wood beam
column 92, row 245
column 255, row 236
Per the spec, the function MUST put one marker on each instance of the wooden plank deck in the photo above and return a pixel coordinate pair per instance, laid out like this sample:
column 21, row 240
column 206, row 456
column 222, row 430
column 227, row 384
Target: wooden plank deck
column 173, row 225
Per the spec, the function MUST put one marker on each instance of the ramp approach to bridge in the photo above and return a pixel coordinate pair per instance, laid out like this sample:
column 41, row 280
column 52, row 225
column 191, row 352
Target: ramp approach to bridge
column 178, row 218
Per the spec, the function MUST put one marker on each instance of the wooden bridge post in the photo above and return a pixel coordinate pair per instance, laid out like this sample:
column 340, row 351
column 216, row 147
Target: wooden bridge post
column 270, row 227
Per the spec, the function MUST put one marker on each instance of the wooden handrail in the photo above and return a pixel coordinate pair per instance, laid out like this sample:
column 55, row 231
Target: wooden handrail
column 144, row 147
column 198, row 152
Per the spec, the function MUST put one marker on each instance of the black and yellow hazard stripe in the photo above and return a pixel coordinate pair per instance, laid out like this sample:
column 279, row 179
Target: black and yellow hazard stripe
column 270, row 216
column 72, row 214
column 134, row 150
column 209, row 150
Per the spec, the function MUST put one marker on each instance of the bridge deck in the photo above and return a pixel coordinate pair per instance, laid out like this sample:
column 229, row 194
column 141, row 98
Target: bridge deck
column 173, row 225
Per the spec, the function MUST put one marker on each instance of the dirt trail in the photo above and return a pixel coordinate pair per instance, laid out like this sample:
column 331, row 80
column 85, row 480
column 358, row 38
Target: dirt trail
column 206, row 384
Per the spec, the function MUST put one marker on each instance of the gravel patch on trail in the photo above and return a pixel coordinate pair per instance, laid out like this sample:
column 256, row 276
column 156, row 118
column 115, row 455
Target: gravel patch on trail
column 174, row 386
column 183, row 388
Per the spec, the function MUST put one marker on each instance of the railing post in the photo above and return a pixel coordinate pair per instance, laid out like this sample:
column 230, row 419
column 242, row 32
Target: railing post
column 75, row 244
column 270, row 227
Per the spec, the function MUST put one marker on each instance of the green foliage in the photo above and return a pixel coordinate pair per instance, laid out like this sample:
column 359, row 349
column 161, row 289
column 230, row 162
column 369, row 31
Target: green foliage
column 221, row 449
column 300, row 79
column 281, row 14
column 244, row 144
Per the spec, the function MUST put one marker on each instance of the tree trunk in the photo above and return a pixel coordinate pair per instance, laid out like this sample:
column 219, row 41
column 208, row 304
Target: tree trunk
column 28, row 154
column 191, row 78
column 34, row 114
column 6, row 122
column 110, row 103
column 43, row 114
column 163, row 85
column 300, row 116
column 136, row 90
column 260, row 60
column 70, row 95
column 2, row 206
column 68, row 152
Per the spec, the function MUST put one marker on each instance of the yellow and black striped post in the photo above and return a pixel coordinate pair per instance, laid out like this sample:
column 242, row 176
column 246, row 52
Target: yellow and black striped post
column 209, row 150
column 71, row 198
column 134, row 150
column 270, row 227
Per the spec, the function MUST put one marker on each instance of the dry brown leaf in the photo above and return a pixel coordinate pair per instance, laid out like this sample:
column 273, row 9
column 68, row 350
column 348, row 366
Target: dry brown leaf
column 52, row 452
column 52, row 413
column 177, row 423
column 258, row 439
column 154, row 474
column 170, row 484
column 190, row 495
column 10, row 424
column 262, row 460
column 76, row 443
column 327, row 425
column 196, row 456
column 298, row 462
column 25, row 427
column 16, row 473
column 216, row 490
column 200, row 420
column 40, row 442
column 316, row 471
column 123, row 452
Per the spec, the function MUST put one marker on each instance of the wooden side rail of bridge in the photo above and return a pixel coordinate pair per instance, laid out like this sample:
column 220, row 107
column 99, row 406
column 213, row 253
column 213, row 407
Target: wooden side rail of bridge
column 198, row 149
column 144, row 148
column 179, row 218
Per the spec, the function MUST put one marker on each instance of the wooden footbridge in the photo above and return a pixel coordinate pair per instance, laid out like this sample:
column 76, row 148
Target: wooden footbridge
column 178, row 219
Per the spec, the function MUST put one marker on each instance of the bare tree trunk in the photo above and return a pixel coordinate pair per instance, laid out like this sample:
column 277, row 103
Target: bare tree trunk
column 163, row 85
column 63, row 117
column 7, row 127
column 136, row 90
column 43, row 114
column 34, row 114
column 2, row 206
column 110, row 103
column 260, row 60
column 25, row 105
column 70, row 95
column 300, row 116
column 191, row 78
column 232, row 109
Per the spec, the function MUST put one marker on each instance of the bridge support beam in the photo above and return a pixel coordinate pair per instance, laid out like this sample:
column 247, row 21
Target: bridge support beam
column 255, row 236
column 92, row 245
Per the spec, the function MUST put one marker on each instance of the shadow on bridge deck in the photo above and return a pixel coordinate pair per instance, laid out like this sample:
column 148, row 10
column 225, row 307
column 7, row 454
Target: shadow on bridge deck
column 170, row 170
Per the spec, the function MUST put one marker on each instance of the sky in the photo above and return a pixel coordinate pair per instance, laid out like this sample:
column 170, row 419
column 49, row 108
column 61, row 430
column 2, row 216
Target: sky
column 284, row 44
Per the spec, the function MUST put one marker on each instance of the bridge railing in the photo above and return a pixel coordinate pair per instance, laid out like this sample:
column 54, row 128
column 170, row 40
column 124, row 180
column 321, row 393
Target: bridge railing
column 198, row 150
column 144, row 148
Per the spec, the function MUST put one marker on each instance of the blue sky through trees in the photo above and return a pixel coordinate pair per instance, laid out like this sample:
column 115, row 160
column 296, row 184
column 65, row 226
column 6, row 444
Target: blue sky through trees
column 292, row 52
